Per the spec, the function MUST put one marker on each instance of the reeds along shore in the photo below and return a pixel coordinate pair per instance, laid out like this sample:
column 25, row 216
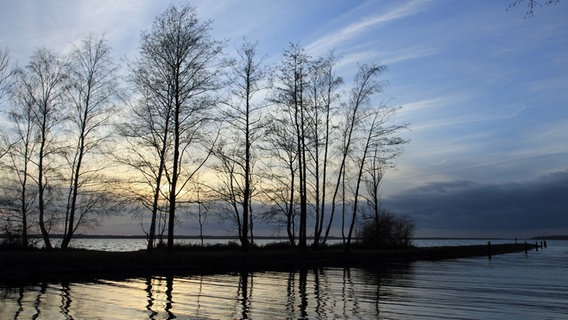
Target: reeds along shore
column 32, row 266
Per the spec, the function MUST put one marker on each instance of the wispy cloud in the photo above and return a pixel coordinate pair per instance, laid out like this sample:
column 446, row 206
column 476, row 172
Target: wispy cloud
column 408, row 54
column 354, row 29
column 428, row 104
column 370, row 54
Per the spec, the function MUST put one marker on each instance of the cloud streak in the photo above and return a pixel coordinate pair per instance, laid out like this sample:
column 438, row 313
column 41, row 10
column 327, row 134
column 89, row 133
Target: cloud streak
column 355, row 29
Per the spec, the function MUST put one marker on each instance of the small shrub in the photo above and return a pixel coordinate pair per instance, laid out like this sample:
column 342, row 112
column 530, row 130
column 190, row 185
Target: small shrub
column 11, row 239
column 278, row 245
column 11, row 242
column 391, row 231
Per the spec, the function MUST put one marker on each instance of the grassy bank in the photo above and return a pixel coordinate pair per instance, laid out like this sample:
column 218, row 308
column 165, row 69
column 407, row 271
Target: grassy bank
column 32, row 266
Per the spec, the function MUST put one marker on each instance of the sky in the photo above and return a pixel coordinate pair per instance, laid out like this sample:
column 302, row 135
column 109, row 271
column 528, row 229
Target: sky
column 483, row 89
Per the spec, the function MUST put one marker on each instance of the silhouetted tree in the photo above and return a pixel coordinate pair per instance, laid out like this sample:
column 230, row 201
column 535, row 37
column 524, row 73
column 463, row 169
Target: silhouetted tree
column 281, row 174
column 381, row 156
column 201, row 213
column 6, row 72
column 244, row 126
column 179, row 72
column 365, row 86
column 323, row 86
column 229, row 188
column 5, row 144
column 41, row 87
column 380, row 137
column 391, row 231
column 91, row 93
column 20, row 166
column 532, row 5
column 291, row 95
column 147, row 136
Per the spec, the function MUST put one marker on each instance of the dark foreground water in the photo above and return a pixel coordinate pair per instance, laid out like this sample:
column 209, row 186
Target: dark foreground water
column 512, row 286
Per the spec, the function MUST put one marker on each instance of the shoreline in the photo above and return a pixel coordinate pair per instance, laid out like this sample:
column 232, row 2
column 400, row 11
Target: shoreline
column 21, row 267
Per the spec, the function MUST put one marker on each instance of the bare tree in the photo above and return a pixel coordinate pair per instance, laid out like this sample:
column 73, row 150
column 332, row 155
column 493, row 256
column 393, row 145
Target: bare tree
column 21, row 153
column 201, row 213
column 281, row 179
column 92, row 92
column 364, row 87
column 532, row 5
column 244, row 123
column 322, row 87
column 230, row 187
column 291, row 96
column 375, row 172
column 42, row 85
column 382, row 154
column 148, row 139
column 380, row 137
column 178, row 70
column 301, row 133
column 6, row 72
column 5, row 144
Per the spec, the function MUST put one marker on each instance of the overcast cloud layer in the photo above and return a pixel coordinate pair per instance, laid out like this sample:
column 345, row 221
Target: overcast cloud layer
column 467, row 209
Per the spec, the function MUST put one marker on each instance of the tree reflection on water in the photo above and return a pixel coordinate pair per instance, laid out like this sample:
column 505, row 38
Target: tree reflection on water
column 510, row 286
column 307, row 293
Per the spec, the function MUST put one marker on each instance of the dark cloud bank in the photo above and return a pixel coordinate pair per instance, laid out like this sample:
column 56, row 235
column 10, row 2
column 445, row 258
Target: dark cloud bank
column 470, row 209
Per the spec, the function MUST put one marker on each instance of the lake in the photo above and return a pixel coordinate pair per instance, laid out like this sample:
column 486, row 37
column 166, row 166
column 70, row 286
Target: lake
column 511, row 286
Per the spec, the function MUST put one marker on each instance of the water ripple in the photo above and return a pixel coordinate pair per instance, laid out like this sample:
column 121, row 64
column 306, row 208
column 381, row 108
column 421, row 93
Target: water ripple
column 512, row 286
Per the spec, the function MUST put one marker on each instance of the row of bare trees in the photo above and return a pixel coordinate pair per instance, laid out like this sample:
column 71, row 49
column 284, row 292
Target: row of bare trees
column 58, row 109
column 193, row 131
column 330, row 144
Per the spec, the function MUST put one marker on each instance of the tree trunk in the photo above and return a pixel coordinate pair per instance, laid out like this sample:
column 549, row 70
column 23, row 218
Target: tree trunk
column 41, row 185
column 173, row 184
column 70, row 221
column 155, row 200
column 24, row 195
column 290, row 228
column 246, row 192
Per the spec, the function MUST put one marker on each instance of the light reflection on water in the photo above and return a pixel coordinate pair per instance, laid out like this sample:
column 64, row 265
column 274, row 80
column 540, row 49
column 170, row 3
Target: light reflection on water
column 320, row 294
column 512, row 286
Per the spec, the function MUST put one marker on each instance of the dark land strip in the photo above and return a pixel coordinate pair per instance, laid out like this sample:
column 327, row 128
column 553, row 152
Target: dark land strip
column 19, row 267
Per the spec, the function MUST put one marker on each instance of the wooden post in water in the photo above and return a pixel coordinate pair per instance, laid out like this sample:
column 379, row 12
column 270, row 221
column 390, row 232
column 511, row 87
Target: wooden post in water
column 526, row 247
column 536, row 245
column 489, row 250
column 545, row 244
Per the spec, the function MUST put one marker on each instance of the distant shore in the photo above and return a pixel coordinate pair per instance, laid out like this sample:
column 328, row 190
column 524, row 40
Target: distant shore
column 283, row 238
column 559, row 237
column 35, row 266
column 143, row 236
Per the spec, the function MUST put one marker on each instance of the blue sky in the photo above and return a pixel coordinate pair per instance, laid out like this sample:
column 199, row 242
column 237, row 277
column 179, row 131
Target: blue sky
column 483, row 89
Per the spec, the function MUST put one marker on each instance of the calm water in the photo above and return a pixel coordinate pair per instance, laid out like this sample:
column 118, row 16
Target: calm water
column 512, row 286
